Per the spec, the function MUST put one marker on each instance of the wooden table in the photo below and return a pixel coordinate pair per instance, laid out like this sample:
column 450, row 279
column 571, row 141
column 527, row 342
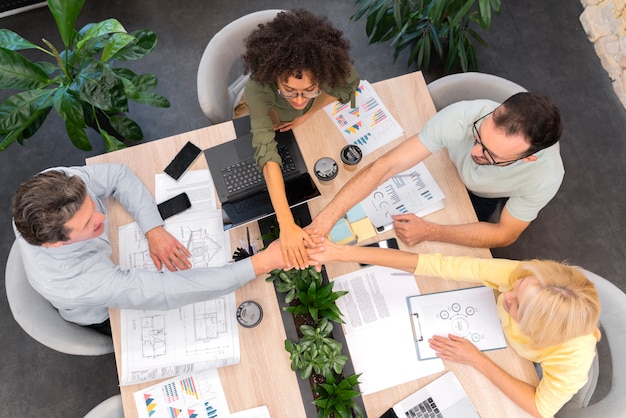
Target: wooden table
column 263, row 376
column 407, row 98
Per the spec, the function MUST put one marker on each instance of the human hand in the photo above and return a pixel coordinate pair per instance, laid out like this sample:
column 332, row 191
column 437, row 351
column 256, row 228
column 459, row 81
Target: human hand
column 165, row 249
column 455, row 348
column 410, row 228
column 286, row 126
column 320, row 226
column 328, row 252
column 293, row 241
column 271, row 258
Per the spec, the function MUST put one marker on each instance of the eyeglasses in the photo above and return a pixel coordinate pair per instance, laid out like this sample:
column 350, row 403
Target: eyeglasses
column 491, row 160
column 305, row 95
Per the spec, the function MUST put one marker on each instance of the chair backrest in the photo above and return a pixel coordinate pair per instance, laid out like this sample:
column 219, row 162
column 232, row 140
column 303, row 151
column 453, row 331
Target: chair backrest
column 216, row 95
column 109, row 408
column 613, row 316
column 42, row 321
column 471, row 86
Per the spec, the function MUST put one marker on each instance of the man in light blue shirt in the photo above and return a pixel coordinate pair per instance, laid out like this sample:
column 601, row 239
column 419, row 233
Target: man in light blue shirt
column 506, row 152
column 62, row 231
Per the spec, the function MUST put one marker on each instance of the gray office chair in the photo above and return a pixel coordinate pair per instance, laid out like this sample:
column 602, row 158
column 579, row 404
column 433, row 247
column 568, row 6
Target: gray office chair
column 110, row 408
column 613, row 320
column 216, row 94
column 42, row 321
column 470, row 86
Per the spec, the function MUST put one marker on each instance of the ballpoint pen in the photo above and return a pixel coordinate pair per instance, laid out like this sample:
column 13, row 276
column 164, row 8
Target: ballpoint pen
column 250, row 251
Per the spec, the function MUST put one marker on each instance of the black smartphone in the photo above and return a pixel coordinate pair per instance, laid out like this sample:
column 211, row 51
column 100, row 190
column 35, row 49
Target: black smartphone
column 182, row 161
column 174, row 205
column 388, row 243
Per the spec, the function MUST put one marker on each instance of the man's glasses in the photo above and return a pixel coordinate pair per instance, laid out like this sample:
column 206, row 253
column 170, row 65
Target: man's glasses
column 491, row 160
column 305, row 95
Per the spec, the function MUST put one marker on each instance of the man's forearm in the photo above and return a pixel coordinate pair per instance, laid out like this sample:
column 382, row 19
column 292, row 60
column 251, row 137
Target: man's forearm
column 477, row 234
column 354, row 191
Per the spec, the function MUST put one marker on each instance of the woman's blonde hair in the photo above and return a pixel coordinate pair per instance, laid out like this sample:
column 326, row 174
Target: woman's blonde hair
column 563, row 305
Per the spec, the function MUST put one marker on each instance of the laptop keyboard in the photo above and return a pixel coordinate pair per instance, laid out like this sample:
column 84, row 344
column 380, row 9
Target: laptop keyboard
column 245, row 175
column 425, row 409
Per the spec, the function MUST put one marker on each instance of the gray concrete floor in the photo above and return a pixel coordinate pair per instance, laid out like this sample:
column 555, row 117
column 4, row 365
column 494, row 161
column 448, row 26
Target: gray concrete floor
column 540, row 45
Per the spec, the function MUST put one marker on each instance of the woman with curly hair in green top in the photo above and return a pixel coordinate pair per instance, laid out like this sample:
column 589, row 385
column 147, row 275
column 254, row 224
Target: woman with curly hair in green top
column 298, row 63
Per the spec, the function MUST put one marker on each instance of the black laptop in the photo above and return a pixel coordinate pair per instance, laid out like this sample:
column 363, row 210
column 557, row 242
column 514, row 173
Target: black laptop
column 240, row 185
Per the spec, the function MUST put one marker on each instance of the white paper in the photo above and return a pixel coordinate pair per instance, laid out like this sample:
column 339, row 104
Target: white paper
column 202, row 233
column 198, row 395
column 369, row 125
column 468, row 313
column 412, row 191
column 378, row 328
column 158, row 344
column 198, row 184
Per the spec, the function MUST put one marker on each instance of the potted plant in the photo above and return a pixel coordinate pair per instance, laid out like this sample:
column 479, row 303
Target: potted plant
column 79, row 81
column 427, row 25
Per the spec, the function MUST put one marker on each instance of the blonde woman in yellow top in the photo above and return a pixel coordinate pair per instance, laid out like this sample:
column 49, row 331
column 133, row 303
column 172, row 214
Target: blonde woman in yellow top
column 549, row 313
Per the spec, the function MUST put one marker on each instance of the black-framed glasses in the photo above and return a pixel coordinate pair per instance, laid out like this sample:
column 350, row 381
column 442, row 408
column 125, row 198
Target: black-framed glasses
column 491, row 160
column 293, row 94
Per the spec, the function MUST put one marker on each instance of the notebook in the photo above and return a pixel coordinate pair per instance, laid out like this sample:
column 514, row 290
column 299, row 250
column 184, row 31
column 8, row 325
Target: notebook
column 444, row 397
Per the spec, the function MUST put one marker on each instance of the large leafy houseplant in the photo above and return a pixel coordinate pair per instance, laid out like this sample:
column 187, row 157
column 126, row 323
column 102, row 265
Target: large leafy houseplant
column 80, row 83
column 427, row 26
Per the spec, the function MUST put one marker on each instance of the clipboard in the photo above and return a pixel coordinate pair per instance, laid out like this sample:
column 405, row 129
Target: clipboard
column 469, row 313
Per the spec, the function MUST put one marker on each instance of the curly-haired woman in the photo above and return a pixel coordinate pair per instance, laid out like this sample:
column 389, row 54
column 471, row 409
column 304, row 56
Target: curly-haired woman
column 298, row 63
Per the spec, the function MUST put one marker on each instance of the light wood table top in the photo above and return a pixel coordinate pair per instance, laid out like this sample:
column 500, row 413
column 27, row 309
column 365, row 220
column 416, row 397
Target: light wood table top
column 408, row 100
column 263, row 376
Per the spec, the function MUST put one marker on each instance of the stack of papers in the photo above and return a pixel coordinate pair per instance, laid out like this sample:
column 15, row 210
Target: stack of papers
column 378, row 328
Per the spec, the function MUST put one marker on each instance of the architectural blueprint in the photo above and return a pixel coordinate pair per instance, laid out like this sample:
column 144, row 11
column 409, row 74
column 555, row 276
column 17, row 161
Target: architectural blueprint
column 158, row 344
column 201, row 232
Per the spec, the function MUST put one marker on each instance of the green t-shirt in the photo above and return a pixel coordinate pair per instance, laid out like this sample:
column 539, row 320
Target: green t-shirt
column 263, row 97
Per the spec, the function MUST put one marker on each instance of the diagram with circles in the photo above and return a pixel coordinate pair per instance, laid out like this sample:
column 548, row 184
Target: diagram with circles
column 467, row 313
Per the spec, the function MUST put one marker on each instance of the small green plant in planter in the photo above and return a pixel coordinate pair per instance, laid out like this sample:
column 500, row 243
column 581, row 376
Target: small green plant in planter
column 427, row 26
column 80, row 83
column 316, row 351
column 316, row 298
column 336, row 398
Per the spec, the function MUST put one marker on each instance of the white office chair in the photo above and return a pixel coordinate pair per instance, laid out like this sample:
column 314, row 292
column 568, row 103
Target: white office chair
column 613, row 320
column 42, row 321
column 110, row 408
column 217, row 96
column 470, row 86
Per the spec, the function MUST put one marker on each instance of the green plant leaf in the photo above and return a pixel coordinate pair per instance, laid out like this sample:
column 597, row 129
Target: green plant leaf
column 484, row 13
column 65, row 13
column 114, row 44
column 33, row 127
column 19, row 110
column 78, row 135
column 96, row 84
column 97, row 30
column 146, row 42
column 14, row 42
column 110, row 143
column 126, row 127
column 16, row 72
column 152, row 99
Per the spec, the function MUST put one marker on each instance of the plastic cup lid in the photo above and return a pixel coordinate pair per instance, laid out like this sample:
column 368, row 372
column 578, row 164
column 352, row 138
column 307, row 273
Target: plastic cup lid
column 249, row 314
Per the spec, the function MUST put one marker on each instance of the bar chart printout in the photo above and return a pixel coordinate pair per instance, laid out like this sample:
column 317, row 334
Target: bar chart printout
column 198, row 395
column 369, row 124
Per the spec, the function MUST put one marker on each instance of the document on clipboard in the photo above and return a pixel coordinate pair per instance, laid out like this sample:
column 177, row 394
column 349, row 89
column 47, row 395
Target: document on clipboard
column 469, row 313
